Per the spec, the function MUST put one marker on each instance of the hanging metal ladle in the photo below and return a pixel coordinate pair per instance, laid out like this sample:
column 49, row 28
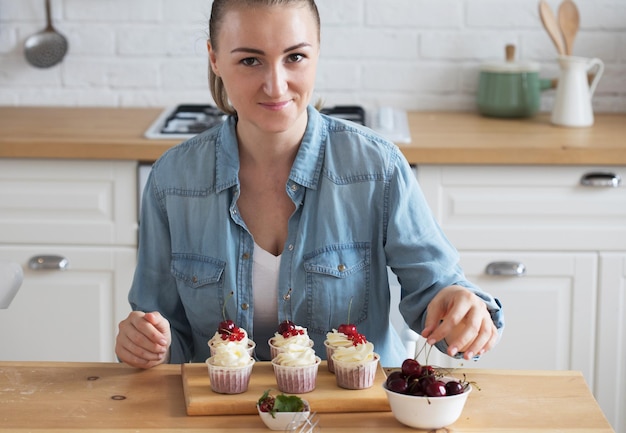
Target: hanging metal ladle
column 47, row 47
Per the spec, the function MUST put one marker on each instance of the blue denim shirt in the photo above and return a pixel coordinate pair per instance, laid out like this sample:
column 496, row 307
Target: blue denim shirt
column 358, row 209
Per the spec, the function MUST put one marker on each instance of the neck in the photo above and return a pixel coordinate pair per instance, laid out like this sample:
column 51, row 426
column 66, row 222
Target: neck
column 263, row 149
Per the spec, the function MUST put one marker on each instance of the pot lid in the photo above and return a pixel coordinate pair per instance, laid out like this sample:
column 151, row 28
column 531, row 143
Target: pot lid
column 509, row 65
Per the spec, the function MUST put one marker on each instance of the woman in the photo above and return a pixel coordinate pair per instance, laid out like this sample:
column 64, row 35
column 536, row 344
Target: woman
column 281, row 200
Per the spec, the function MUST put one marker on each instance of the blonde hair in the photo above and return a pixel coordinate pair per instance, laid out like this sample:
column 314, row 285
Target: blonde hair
column 218, row 10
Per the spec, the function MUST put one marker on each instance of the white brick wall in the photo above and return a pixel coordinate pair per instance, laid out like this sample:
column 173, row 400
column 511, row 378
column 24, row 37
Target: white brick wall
column 417, row 54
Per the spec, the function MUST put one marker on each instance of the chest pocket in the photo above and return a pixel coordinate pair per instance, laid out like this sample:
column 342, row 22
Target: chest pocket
column 335, row 276
column 197, row 271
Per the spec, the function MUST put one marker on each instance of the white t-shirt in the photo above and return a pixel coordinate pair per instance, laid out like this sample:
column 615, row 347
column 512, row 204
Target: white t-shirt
column 265, row 292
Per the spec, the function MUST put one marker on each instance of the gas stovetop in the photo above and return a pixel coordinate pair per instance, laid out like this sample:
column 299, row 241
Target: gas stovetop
column 186, row 120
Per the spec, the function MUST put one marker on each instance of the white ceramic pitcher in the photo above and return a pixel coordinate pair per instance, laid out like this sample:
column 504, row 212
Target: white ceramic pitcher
column 572, row 105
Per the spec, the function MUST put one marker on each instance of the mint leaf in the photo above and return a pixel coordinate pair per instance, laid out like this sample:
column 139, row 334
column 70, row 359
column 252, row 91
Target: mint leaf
column 290, row 403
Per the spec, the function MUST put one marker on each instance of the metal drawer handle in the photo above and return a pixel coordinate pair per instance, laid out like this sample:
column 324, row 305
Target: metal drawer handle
column 601, row 180
column 507, row 269
column 39, row 263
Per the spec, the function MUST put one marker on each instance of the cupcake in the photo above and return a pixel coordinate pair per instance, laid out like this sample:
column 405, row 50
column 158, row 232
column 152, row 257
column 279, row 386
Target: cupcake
column 295, row 368
column 288, row 334
column 230, row 368
column 355, row 366
column 334, row 340
column 229, row 332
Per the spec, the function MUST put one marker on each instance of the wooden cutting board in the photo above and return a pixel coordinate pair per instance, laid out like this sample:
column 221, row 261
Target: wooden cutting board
column 327, row 397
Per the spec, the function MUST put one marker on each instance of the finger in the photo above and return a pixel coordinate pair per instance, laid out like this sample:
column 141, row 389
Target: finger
column 434, row 316
column 161, row 324
column 133, row 360
column 464, row 337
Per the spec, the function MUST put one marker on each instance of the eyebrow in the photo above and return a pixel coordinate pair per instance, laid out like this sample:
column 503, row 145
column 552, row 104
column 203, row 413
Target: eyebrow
column 261, row 52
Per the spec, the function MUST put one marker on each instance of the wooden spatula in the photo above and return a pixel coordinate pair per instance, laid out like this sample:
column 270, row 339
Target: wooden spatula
column 569, row 21
column 551, row 25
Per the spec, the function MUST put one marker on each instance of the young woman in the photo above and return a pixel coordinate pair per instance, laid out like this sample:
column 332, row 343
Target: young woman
column 282, row 200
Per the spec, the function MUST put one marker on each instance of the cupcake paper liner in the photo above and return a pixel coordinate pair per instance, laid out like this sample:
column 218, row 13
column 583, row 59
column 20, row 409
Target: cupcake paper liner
column 352, row 375
column 329, row 356
column 229, row 380
column 296, row 379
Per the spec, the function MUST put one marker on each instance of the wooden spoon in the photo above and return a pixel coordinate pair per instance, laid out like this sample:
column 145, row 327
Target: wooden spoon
column 569, row 21
column 551, row 25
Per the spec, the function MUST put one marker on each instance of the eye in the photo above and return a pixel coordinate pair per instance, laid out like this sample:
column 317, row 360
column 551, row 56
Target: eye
column 295, row 57
column 249, row 61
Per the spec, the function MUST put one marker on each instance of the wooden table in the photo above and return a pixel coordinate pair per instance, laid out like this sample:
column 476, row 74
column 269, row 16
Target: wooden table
column 108, row 397
column 437, row 137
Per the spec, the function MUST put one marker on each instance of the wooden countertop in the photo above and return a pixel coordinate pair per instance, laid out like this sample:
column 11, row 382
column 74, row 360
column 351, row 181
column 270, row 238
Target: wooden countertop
column 437, row 137
column 109, row 397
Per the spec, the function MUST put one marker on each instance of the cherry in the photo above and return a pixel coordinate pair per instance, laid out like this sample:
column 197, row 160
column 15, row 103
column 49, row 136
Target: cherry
column 415, row 388
column 436, row 388
column 347, row 328
column 397, row 384
column 428, row 370
column 286, row 327
column 454, row 387
column 226, row 327
column 395, row 375
column 411, row 366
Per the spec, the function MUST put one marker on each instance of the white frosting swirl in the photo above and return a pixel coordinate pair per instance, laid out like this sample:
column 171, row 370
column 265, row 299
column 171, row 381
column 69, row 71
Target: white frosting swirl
column 358, row 353
column 231, row 354
column 217, row 340
column 338, row 339
column 295, row 355
column 303, row 339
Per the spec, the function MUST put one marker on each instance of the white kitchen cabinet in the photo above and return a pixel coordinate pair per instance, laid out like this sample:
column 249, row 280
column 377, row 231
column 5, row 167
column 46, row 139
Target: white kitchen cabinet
column 611, row 349
column 567, row 226
column 84, row 212
column 547, row 310
column 67, row 315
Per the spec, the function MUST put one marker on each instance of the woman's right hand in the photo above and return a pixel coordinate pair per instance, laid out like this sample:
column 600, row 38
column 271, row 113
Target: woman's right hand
column 143, row 340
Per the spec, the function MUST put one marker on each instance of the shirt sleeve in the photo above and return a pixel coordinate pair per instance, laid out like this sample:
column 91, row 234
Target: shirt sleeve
column 154, row 287
column 419, row 253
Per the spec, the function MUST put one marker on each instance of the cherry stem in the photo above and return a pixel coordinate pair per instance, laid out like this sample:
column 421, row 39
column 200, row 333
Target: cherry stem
column 287, row 299
column 230, row 295
column 350, row 308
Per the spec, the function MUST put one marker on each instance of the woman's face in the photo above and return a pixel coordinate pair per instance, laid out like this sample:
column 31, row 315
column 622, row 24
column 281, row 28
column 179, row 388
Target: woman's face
column 267, row 60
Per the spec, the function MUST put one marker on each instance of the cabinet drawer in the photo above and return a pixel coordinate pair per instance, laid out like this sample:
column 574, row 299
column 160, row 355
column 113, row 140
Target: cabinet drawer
column 549, row 312
column 67, row 315
column 68, row 202
column 526, row 207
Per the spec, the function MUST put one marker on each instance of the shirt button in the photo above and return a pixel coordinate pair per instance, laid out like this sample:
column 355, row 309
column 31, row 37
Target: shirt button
column 290, row 247
column 245, row 256
column 341, row 267
column 194, row 279
column 294, row 187
column 244, row 306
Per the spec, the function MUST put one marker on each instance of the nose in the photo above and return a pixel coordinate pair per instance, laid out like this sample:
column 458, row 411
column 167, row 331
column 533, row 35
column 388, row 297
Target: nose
column 275, row 84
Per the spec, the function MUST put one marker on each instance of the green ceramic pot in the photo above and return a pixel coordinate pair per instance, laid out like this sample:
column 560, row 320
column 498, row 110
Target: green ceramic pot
column 509, row 89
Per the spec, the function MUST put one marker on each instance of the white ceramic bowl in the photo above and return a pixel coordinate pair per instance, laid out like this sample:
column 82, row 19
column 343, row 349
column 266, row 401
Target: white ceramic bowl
column 283, row 420
column 417, row 412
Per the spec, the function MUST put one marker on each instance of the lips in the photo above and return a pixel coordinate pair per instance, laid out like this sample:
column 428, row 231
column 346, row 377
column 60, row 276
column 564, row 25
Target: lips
column 275, row 106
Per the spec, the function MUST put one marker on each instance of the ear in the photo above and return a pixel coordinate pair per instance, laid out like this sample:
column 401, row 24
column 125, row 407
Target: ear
column 212, row 58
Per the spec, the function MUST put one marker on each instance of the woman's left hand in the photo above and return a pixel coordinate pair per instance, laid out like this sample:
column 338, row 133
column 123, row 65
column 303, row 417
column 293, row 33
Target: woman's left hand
column 461, row 318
